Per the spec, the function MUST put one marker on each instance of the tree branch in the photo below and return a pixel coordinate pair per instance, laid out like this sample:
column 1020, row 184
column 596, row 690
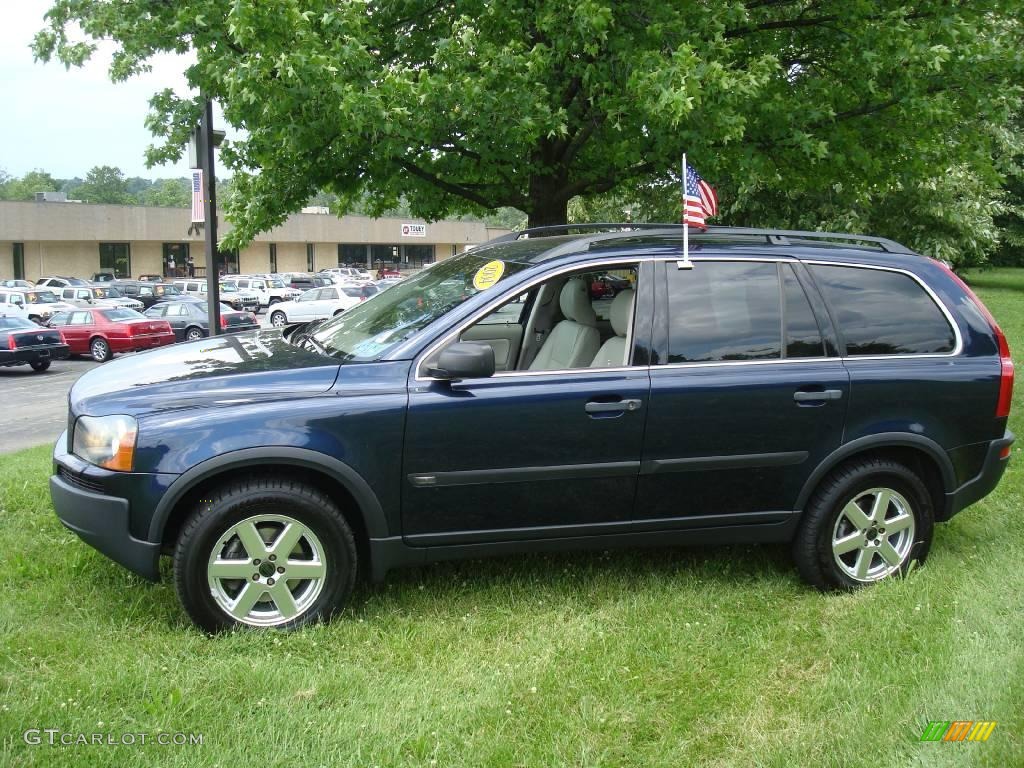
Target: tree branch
column 460, row 190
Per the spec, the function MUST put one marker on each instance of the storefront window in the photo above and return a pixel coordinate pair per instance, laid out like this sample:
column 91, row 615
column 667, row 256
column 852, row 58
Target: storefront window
column 19, row 260
column 177, row 260
column 116, row 258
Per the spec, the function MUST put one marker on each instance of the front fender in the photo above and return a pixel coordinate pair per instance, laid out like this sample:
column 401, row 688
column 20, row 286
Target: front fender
column 369, row 505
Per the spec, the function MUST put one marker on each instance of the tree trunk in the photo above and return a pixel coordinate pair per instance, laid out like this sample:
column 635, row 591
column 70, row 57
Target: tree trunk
column 549, row 213
column 548, row 203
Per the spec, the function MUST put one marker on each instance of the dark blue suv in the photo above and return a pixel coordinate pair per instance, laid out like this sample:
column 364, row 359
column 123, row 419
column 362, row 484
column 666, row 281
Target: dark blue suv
column 552, row 392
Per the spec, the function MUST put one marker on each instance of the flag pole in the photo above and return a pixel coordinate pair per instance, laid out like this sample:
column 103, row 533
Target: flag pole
column 685, row 263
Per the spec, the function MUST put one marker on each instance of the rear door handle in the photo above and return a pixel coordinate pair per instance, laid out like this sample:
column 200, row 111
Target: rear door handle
column 818, row 397
column 616, row 407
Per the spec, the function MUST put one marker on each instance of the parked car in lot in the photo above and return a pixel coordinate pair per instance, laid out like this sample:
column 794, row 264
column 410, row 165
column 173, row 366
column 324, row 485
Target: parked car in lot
column 304, row 282
column 57, row 282
column 103, row 332
column 146, row 292
column 315, row 304
column 99, row 296
column 839, row 393
column 151, row 278
column 239, row 300
column 268, row 290
column 22, row 342
column 104, row 277
column 190, row 319
column 18, row 283
column 350, row 274
column 38, row 305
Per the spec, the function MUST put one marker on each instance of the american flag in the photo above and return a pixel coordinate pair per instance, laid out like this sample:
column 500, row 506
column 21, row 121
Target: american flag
column 198, row 211
column 699, row 199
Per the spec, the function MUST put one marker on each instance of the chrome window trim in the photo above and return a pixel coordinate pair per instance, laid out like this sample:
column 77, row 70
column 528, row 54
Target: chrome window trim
column 957, row 349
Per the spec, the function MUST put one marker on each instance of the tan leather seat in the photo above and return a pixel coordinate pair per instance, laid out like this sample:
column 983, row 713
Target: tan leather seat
column 574, row 341
column 613, row 352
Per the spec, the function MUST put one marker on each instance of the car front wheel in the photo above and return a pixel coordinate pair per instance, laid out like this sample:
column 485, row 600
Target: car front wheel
column 193, row 334
column 866, row 522
column 278, row 319
column 267, row 553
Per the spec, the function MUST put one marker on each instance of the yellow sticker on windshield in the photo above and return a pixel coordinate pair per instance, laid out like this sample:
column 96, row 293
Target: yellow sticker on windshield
column 488, row 275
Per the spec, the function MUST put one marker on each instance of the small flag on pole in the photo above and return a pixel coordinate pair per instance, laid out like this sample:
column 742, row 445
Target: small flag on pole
column 198, row 210
column 699, row 199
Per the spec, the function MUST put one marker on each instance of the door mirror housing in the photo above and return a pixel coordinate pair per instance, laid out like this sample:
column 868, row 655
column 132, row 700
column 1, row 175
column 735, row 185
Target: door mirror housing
column 464, row 360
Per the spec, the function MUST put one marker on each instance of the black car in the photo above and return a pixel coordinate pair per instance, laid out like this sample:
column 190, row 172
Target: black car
column 305, row 282
column 146, row 292
column 838, row 393
column 22, row 342
column 189, row 320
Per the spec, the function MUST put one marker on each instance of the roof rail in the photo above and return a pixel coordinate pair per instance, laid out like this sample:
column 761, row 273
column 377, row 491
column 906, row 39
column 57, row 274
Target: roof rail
column 773, row 236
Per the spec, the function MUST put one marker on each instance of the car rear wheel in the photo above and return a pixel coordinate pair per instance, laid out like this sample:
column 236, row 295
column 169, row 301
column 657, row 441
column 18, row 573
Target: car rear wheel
column 866, row 522
column 100, row 350
column 193, row 334
column 268, row 553
column 278, row 319
column 40, row 365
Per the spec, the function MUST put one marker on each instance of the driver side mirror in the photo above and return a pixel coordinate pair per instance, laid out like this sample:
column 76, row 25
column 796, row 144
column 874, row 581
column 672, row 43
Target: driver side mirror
column 464, row 360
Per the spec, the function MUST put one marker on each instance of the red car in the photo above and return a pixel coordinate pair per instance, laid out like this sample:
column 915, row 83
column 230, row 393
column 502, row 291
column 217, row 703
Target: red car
column 102, row 332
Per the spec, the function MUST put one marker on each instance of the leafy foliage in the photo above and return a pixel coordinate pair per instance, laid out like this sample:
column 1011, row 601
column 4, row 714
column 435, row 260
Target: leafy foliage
column 809, row 107
column 105, row 184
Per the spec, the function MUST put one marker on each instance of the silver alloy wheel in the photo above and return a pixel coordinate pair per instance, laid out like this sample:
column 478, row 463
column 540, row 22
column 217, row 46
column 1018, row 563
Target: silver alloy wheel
column 100, row 350
column 266, row 570
column 278, row 319
column 873, row 535
column 193, row 334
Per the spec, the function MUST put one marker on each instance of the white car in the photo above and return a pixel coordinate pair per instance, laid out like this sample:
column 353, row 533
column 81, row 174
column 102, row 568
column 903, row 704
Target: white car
column 314, row 304
column 269, row 290
column 39, row 305
column 17, row 283
column 350, row 274
column 241, row 301
column 98, row 296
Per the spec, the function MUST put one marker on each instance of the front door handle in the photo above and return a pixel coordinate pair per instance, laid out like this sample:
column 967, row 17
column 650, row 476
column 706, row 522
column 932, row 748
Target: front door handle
column 818, row 397
column 616, row 407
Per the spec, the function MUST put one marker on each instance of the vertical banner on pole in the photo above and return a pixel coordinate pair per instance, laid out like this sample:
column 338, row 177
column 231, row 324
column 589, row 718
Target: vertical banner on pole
column 198, row 212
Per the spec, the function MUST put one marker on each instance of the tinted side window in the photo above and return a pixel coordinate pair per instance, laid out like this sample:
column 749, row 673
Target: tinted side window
column 803, row 336
column 883, row 313
column 724, row 311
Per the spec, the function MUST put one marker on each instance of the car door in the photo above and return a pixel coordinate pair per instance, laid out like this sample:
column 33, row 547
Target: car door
column 77, row 331
column 524, row 454
column 748, row 397
column 304, row 306
column 325, row 304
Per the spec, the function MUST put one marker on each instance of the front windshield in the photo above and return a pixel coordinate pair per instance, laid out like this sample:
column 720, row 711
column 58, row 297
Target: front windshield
column 41, row 297
column 372, row 328
column 276, row 284
column 228, row 288
column 166, row 290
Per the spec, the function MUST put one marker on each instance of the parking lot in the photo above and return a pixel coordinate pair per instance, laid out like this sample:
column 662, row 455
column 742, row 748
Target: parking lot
column 35, row 404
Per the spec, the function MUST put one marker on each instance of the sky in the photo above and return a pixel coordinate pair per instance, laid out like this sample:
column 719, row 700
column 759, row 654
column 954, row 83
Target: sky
column 67, row 121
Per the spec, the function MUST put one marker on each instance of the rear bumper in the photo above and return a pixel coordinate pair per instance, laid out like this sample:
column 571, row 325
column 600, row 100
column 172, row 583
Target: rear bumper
column 102, row 522
column 983, row 483
column 143, row 341
column 33, row 355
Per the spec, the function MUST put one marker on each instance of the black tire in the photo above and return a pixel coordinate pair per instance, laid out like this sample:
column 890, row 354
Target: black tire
column 278, row 319
column 825, row 522
column 40, row 365
column 273, row 300
column 193, row 333
column 216, row 514
column 99, row 349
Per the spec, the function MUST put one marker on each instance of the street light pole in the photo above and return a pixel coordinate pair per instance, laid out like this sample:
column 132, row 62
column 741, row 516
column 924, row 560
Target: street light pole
column 206, row 142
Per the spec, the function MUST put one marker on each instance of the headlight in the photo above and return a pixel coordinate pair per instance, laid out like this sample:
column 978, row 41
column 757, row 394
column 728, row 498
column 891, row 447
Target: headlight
column 107, row 441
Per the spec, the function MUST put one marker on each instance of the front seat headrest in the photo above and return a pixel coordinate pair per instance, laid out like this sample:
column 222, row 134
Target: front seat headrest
column 575, row 302
column 621, row 311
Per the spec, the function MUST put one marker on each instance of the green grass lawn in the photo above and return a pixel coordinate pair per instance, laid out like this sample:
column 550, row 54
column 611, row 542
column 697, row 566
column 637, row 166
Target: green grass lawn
column 671, row 658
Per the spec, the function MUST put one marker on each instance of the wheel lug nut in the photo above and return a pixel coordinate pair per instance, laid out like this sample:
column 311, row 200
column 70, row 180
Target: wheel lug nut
column 270, row 582
column 256, row 561
column 280, row 569
column 272, row 558
column 255, row 577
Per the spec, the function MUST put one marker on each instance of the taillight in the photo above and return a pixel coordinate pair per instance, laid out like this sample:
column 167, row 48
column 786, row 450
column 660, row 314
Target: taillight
column 1005, row 360
column 252, row 318
column 223, row 322
column 10, row 342
column 63, row 339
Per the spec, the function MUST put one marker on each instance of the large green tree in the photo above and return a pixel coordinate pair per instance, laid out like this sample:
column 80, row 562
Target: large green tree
column 465, row 105
column 105, row 184
column 25, row 188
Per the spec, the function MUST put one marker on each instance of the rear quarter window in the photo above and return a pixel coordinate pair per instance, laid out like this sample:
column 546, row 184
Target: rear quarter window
column 883, row 313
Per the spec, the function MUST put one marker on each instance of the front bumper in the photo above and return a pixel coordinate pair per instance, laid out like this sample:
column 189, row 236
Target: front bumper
column 984, row 482
column 100, row 520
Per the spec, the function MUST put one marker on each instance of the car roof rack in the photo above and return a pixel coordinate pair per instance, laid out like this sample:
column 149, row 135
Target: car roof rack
column 772, row 236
